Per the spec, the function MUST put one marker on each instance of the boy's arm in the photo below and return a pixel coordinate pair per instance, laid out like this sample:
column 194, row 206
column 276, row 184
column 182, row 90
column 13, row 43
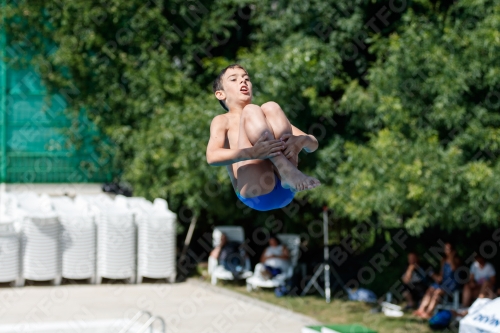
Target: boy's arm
column 309, row 142
column 217, row 155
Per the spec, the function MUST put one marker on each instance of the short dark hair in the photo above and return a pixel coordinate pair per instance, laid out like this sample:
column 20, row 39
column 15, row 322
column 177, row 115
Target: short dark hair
column 217, row 85
column 275, row 237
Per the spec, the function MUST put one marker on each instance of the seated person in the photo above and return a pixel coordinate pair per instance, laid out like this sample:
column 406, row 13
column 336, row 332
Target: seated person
column 230, row 255
column 274, row 259
column 482, row 281
column 445, row 283
column 481, row 300
column 415, row 281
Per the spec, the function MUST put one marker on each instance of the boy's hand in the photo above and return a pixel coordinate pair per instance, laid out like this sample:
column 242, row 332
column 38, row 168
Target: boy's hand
column 265, row 148
column 293, row 146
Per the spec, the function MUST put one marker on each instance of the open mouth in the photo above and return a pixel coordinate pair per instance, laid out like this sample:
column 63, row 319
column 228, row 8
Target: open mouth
column 244, row 90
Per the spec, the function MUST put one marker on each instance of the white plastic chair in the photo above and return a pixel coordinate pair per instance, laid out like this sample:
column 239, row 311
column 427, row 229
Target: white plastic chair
column 78, row 239
column 116, row 237
column 10, row 251
column 292, row 242
column 447, row 304
column 216, row 271
column 156, row 251
column 40, row 238
column 41, row 247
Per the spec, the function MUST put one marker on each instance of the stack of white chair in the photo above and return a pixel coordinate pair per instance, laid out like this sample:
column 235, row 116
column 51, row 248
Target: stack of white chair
column 41, row 251
column 156, row 238
column 8, row 204
column 215, row 269
column 10, row 247
column 116, row 237
column 10, row 259
column 78, row 239
column 292, row 242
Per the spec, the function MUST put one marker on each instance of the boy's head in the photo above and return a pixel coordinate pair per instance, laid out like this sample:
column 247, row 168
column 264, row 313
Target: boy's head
column 233, row 85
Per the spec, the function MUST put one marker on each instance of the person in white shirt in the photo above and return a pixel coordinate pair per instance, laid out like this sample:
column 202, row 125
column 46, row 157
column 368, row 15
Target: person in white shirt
column 481, row 283
column 275, row 258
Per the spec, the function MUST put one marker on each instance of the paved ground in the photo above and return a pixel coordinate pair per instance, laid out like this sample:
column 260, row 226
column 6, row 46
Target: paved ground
column 187, row 307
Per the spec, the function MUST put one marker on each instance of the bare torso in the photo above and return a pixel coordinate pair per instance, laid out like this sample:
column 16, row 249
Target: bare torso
column 231, row 142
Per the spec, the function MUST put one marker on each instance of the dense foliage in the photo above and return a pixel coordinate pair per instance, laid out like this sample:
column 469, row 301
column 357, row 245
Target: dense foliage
column 403, row 96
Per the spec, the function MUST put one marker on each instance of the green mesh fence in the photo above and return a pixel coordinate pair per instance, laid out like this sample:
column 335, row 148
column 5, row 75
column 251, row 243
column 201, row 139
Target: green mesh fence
column 3, row 124
column 38, row 143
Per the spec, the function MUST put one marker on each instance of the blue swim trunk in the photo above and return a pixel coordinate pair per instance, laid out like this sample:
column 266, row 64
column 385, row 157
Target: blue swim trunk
column 279, row 197
column 273, row 270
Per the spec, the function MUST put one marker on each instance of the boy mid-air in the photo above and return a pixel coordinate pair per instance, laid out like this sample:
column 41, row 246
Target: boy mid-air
column 257, row 144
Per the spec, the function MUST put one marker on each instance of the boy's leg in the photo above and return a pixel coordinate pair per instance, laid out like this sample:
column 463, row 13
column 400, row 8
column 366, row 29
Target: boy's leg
column 254, row 177
column 279, row 123
column 277, row 119
column 253, row 125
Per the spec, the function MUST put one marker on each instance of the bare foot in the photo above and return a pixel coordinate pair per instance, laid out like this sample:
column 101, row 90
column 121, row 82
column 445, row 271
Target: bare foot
column 425, row 316
column 297, row 181
column 417, row 312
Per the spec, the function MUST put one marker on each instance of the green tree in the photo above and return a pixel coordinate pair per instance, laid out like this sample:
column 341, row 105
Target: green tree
column 402, row 95
column 431, row 123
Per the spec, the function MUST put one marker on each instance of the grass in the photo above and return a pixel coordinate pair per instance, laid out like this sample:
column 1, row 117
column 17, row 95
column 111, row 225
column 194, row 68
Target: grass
column 338, row 311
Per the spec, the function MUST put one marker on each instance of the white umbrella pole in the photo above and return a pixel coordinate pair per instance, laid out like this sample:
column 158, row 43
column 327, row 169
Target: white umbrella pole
column 324, row 267
column 326, row 255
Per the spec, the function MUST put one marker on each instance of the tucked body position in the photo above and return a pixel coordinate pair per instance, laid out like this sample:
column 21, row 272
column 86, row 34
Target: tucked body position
column 257, row 144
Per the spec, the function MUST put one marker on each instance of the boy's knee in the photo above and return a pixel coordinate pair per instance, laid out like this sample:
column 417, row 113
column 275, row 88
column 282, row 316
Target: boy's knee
column 270, row 107
column 250, row 109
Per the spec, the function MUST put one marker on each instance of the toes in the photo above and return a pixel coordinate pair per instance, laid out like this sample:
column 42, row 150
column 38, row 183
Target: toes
column 316, row 183
column 307, row 184
column 312, row 183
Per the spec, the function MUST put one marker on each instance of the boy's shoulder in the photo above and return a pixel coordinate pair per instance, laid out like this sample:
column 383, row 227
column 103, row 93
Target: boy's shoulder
column 224, row 119
column 219, row 119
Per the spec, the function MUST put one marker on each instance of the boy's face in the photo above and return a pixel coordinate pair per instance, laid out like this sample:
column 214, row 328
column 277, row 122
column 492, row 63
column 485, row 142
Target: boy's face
column 237, row 87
